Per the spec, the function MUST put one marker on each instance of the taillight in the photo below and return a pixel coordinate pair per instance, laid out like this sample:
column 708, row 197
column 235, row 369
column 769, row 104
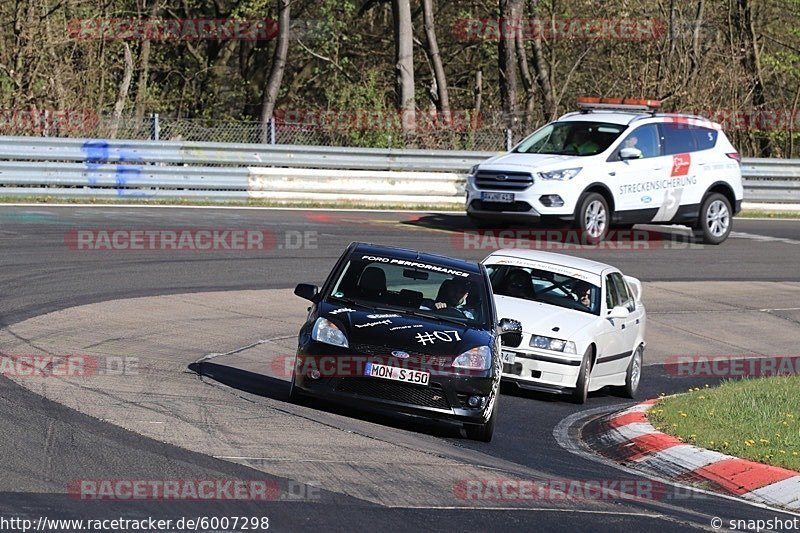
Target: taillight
column 735, row 156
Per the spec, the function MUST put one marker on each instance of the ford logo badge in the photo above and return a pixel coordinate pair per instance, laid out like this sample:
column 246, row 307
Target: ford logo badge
column 501, row 177
column 646, row 199
column 401, row 355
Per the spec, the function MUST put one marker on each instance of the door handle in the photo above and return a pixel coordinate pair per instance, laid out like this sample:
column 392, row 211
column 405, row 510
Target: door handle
column 612, row 173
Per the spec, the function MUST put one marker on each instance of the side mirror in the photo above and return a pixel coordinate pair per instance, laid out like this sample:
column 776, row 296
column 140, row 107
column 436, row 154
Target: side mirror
column 307, row 291
column 619, row 312
column 510, row 332
column 630, row 153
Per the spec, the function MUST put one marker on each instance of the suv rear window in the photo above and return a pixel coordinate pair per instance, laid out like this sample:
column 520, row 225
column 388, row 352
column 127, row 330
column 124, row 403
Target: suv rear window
column 678, row 138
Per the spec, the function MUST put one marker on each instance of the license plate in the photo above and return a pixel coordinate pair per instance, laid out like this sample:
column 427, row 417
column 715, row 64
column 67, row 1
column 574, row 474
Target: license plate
column 405, row 375
column 503, row 197
column 509, row 358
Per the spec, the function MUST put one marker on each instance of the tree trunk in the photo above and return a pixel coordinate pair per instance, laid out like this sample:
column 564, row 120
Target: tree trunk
column 506, row 54
column 273, row 84
column 144, row 72
column 404, row 62
column 751, row 61
column 442, row 94
column 122, row 95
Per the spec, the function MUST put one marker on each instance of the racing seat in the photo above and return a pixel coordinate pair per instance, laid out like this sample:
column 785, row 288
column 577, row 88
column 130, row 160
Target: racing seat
column 409, row 298
column 372, row 283
column 518, row 282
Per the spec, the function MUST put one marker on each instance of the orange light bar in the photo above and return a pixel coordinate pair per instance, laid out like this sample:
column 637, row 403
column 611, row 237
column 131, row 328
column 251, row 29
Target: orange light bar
column 618, row 103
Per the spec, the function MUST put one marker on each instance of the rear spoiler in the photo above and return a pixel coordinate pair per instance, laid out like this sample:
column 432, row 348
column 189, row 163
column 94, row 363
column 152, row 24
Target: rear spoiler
column 636, row 287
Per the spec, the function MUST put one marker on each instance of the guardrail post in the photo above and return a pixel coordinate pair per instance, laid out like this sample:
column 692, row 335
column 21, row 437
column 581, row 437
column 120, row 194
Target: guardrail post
column 509, row 139
column 155, row 127
column 272, row 132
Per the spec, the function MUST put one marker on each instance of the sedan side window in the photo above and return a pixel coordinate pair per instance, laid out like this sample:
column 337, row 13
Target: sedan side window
column 625, row 297
column 612, row 298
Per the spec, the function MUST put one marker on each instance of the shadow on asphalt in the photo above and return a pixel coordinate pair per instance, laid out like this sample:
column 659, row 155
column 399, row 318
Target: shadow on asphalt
column 277, row 389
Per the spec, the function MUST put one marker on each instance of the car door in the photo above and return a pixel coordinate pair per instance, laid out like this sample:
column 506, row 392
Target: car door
column 610, row 339
column 630, row 326
column 637, row 181
column 680, row 148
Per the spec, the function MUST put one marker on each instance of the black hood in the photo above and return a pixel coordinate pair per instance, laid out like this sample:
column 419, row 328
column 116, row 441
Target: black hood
column 370, row 330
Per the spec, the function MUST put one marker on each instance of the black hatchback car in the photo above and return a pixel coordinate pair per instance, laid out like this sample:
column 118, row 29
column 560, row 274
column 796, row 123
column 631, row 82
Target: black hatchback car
column 397, row 330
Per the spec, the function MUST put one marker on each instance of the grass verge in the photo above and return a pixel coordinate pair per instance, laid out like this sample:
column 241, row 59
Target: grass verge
column 756, row 419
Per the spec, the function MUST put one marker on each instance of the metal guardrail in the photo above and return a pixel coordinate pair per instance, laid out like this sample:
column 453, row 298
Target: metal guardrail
column 35, row 166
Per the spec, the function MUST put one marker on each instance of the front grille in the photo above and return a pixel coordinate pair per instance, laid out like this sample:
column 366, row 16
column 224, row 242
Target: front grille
column 415, row 358
column 432, row 396
column 516, row 207
column 503, row 181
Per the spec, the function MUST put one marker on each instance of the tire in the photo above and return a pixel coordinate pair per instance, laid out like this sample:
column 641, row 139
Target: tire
column 715, row 221
column 593, row 217
column 581, row 391
column 482, row 432
column 295, row 396
column 632, row 376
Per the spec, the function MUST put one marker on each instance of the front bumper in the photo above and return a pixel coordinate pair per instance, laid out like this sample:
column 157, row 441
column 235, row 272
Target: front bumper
column 444, row 398
column 543, row 371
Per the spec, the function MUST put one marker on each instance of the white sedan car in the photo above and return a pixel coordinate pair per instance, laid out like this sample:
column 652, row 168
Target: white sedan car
column 583, row 323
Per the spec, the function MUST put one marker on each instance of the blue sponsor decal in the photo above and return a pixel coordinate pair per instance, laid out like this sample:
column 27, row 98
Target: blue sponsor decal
column 646, row 199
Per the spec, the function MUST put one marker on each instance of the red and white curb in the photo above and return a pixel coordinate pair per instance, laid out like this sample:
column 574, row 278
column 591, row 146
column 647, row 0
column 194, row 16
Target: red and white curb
column 627, row 436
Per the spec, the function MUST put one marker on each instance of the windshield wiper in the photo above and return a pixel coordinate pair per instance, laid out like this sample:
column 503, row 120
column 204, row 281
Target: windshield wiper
column 451, row 320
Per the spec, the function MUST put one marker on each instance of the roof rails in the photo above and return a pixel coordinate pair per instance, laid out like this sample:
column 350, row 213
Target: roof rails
column 591, row 103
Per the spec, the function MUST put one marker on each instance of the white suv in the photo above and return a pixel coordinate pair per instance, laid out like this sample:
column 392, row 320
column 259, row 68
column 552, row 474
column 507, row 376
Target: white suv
column 614, row 163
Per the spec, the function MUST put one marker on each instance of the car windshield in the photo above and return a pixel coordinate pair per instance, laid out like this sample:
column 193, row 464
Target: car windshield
column 541, row 285
column 571, row 138
column 420, row 287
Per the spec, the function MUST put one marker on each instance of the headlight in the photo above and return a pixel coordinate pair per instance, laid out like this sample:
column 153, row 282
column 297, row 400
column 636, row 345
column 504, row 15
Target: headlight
column 473, row 170
column 555, row 345
column 560, row 175
column 478, row 358
column 327, row 332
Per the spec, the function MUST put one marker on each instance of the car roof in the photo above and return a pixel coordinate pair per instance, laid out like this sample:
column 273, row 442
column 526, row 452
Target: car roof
column 579, row 263
column 611, row 117
column 414, row 255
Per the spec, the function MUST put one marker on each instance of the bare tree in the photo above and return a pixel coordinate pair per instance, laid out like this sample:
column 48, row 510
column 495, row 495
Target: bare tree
column 122, row 93
column 144, row 71
column 275, row 78
column 442, row 100
column 404, row 62
column 507, row 61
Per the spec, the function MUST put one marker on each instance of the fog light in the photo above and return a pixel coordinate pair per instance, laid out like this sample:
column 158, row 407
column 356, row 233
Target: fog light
column 552, row 200
column 475, row 401
column 314, row 374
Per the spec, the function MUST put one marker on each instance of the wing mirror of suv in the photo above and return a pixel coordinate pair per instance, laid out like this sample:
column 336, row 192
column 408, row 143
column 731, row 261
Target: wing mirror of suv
column 630, row 153
column 307, row 291
column 510, row 332
column 619, row 312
